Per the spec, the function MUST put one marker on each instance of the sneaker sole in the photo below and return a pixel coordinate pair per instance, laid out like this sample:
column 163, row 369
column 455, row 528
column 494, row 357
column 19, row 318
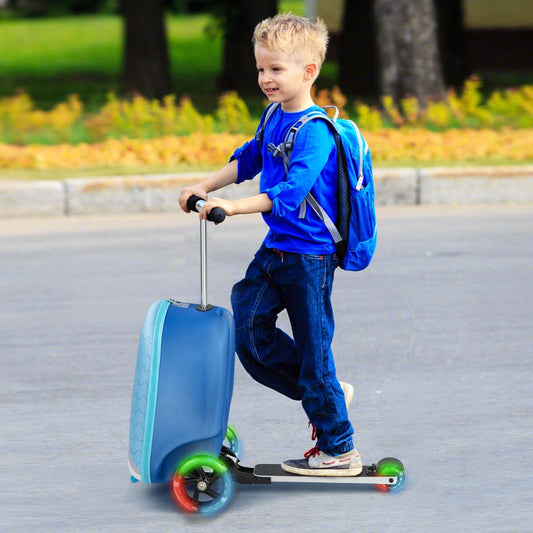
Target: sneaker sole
column 301, row 468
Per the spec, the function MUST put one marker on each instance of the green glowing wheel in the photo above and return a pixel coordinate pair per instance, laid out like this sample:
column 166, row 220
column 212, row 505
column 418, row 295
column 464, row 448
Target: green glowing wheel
column 232, row 440
column 390, row 467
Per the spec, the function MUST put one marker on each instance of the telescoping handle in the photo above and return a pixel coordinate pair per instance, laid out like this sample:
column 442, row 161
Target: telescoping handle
column 195, row 203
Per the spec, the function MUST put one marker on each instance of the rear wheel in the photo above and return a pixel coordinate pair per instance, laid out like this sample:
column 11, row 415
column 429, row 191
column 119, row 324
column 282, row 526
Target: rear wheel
column 390, row 467
column 232, row 440
column 201, row 484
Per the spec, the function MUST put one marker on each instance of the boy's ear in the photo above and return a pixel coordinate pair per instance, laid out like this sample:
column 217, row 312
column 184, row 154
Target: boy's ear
column 311, row 71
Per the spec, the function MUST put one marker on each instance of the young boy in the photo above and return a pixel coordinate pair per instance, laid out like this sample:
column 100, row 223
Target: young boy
column 294, row 267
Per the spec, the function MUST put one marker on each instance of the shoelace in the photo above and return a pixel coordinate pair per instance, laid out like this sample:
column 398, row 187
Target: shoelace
column 313, row 434
column 315, row 450
column 312, row 452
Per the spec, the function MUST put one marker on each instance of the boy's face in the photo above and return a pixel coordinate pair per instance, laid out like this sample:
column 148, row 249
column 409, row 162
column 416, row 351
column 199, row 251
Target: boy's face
column 284, row 79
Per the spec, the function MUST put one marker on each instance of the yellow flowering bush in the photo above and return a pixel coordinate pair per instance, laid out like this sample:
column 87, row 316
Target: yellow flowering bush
column 467, row 145
column 368, row 118
column 232, row 114
column 140, row 118
column 325, row 97
column 198, row 148
column 387, row 146
column 143, row 133
column 511, row 108
column 514, row 106
column 19, row 119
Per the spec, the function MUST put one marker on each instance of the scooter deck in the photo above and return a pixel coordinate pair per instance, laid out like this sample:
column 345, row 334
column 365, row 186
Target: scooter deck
column 273, row 473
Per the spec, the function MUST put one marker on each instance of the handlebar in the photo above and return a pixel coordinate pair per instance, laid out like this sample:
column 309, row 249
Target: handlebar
column 217, row 214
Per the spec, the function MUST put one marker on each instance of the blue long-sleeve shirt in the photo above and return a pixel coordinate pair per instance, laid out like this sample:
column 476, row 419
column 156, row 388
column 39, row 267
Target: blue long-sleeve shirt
column 313, row 167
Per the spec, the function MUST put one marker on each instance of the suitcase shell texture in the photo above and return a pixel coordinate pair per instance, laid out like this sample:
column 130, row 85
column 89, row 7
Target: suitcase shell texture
column 182, row 388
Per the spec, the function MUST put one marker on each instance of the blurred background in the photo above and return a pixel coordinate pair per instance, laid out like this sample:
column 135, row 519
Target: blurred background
column 80, row 71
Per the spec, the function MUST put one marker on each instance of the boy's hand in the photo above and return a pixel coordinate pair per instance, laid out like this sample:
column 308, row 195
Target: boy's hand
column 227, row 205
column 187, row 192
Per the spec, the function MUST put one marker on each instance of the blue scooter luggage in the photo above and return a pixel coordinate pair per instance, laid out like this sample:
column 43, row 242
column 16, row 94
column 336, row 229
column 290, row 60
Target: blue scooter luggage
column 183, row 383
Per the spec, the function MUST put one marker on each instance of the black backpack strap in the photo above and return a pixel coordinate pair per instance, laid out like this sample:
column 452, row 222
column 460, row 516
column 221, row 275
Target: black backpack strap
column 266, row 117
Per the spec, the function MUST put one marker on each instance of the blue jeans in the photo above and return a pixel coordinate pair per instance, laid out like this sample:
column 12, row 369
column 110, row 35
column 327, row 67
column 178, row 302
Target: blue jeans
column 301, row 368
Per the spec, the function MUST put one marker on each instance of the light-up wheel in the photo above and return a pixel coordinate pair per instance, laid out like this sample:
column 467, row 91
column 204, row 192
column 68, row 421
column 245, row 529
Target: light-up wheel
column 201, row 484
column 390, row 467
column 232, row 440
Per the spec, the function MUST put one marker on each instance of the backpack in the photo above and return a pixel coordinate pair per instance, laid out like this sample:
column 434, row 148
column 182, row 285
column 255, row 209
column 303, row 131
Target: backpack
column 355, row 232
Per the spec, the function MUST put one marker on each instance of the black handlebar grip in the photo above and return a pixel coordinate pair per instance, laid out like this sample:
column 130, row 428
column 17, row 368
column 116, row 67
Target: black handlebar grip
column 217, row 214
column 191, row 202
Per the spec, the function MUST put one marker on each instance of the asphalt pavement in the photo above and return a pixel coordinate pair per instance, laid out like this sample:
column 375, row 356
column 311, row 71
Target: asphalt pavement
column 436, row 337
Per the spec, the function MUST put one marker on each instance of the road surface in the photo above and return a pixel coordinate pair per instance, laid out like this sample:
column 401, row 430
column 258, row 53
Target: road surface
column 436, row 337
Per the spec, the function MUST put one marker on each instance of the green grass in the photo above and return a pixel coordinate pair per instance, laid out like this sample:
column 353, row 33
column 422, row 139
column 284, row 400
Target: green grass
column 53, row 57
column 59, row 45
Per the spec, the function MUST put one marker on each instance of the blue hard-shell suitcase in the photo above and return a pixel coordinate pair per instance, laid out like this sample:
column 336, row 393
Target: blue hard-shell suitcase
column 183, row 383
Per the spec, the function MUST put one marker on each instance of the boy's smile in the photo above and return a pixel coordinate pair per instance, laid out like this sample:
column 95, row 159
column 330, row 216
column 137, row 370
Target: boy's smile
column 284, row 79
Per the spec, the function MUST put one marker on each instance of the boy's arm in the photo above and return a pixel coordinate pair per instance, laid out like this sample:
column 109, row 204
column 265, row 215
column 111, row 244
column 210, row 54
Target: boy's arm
column 259, row 203
column 225, row 176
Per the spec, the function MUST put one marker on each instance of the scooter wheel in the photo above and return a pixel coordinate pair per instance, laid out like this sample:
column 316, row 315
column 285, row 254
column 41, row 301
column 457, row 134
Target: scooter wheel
column 390, row 466
column 232, row 440
column 201, row 484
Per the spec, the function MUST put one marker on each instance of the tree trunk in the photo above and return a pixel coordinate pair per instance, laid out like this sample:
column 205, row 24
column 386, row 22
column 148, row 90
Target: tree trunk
column 146, row 67
column 408, row 50
column 358, row 66
column 451, row 32
column 239, row 71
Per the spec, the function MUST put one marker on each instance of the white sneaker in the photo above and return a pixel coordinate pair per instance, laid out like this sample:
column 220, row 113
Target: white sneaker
column 319, row 463
column 348, row 392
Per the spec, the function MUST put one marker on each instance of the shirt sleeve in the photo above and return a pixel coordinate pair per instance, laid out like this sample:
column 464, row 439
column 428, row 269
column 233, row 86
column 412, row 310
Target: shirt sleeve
column 311, row 152
column 249, row 157
column 249, row 160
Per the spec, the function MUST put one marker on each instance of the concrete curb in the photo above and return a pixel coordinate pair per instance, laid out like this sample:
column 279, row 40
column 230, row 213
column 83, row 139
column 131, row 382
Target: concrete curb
column 501, row 185
column 160, row 192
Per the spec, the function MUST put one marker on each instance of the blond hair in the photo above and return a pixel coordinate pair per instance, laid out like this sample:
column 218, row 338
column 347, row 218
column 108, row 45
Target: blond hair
column 299, row 37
